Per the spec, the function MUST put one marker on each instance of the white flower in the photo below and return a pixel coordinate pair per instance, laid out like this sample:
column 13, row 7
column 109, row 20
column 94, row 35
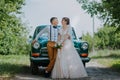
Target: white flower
column 55, row 45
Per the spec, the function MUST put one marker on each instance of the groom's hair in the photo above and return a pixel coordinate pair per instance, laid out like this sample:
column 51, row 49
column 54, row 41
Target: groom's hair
column 52, row 19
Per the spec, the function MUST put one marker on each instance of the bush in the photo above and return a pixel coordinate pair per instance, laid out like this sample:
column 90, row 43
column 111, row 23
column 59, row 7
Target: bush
column 105, row 38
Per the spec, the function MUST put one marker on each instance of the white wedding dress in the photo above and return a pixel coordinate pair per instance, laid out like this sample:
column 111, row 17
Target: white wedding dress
column 68, row 62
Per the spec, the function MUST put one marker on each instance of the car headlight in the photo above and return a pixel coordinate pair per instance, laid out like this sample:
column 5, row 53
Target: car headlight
column 85, row 46
column 36, row 45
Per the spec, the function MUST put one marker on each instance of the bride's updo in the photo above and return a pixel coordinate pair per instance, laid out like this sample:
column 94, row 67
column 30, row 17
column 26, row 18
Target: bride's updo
column 67, row 20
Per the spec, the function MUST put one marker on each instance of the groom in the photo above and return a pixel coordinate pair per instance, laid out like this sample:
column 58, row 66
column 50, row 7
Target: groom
column 53, row 31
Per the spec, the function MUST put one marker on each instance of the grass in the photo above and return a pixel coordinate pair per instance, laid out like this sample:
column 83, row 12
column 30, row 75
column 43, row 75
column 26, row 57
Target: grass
column 109, row 58
column 13, row 64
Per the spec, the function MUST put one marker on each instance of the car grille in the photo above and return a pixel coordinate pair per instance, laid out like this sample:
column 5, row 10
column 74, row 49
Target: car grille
column 78, row 50
column 44, row 52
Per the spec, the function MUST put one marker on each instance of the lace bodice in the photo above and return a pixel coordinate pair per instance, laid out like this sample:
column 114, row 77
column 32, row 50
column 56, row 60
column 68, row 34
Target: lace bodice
column 65, row 34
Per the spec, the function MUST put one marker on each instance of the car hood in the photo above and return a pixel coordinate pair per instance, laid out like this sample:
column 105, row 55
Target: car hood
column 43, row 43
column 78, row 43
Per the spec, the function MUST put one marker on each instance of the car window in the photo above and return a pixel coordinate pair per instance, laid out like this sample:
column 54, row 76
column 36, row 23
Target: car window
column 45, row 35
column 73, row 34
column 37, row 30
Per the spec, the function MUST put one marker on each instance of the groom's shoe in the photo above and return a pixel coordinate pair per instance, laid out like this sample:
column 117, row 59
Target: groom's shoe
column 46, row 74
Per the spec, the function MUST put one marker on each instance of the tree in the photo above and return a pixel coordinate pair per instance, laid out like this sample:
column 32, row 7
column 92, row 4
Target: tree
column 107, row 10
column 105, row 38
column 12, row 31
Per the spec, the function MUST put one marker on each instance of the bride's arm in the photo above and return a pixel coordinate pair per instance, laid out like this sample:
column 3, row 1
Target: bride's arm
column 59, row 40
column 59, row 37
column 68, row 34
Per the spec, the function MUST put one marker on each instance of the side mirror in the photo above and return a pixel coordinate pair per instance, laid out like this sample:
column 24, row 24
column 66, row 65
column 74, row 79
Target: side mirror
column 80, row 38
column 30, row 37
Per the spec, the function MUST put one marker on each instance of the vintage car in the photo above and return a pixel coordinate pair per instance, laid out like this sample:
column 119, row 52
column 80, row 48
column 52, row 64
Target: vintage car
column 39, row 53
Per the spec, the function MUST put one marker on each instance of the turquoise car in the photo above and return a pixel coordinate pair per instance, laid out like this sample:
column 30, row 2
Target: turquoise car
column 39, row 53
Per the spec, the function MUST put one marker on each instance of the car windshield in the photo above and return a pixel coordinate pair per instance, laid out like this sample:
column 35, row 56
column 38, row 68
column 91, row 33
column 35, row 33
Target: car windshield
column 45, row 35
column 73, row 34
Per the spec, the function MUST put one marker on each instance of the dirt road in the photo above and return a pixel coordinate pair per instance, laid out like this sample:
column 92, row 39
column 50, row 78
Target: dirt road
column 94, row 70
column 100, row 72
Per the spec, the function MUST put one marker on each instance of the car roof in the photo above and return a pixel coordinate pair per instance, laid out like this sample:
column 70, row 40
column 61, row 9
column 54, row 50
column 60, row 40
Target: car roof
column 44, row 26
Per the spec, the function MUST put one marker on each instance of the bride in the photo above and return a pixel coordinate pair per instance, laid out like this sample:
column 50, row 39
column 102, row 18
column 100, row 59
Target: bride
column 68, row 63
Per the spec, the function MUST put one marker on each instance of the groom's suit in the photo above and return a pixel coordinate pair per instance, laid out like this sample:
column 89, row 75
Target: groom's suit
column 53, row 37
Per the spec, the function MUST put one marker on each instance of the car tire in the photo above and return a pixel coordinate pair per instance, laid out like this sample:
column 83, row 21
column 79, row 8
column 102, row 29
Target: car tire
column 34, row 68
column 84, row 64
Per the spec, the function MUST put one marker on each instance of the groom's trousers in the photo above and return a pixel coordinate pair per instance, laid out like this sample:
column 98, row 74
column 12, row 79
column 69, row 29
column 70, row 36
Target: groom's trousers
column 52, row 52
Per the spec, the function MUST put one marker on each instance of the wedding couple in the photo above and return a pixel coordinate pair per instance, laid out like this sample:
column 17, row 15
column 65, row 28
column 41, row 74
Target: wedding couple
column 65, row 62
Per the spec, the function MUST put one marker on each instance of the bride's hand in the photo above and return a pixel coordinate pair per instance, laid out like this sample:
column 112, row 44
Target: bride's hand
column 67, row 36
column 62, row 43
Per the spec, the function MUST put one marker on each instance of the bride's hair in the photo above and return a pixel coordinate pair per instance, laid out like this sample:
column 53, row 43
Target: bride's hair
column 67, row 20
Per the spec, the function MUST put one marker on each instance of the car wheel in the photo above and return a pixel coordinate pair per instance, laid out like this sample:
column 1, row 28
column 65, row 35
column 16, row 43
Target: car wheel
column 34, row 68
column 84, row 64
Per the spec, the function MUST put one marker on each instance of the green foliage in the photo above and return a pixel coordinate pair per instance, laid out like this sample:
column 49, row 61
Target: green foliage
column 12, row 31
column 109, row 58
column 107, row 10
column 87, row 37
column 89, row 6
column 106, row 37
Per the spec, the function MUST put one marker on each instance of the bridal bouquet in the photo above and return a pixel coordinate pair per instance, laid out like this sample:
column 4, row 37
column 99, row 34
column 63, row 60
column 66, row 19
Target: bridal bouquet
column 58, row 45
